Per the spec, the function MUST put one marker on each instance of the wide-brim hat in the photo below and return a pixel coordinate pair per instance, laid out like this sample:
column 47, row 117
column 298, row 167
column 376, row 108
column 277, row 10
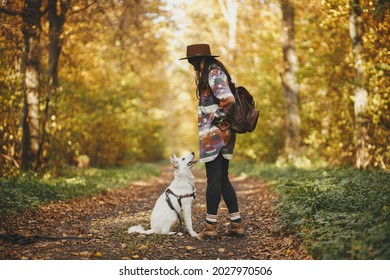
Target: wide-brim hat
column 198, row 50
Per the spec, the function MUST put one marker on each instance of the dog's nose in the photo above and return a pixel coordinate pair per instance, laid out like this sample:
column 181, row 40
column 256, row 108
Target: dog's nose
column 193, row 153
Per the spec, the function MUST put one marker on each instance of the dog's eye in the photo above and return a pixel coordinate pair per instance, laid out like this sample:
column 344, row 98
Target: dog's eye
column 183, row 159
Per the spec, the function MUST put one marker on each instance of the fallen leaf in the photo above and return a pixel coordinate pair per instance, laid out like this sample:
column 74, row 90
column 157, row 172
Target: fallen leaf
column 98, row 255
column 289, row 252
column 143, row 247
column 190, row 248
column 85, row 254
column 221, row 250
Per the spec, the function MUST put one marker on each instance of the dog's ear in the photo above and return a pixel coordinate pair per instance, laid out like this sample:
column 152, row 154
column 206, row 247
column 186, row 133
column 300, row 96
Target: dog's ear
column 174, row 162
column 174, row 156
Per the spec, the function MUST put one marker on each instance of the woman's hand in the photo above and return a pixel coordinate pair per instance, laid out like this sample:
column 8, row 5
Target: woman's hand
column 222, row 124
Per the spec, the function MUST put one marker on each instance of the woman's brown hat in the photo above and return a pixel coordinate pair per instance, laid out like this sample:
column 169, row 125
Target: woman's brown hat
column 198, row 50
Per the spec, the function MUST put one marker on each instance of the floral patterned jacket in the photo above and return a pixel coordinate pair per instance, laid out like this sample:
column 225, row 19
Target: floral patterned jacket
column 215, row 103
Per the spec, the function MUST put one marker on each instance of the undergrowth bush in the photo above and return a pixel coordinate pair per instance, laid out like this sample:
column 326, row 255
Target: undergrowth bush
column 28, row 190
column 339, row 213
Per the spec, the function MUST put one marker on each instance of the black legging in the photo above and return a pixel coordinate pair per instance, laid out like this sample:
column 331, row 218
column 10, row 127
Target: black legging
column 218, row 183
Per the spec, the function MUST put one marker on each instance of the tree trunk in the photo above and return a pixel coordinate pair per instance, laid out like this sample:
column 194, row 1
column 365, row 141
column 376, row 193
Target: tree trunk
column 229, row 10
column 31, row 29
column 56, row 23
column 289, row 82
column 360, row 92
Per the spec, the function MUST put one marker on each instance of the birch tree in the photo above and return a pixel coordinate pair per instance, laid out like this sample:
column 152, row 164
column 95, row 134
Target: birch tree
column 360, row 92
column 31, row 30
column 289, row 82
column 229, row 10
column 31, row 67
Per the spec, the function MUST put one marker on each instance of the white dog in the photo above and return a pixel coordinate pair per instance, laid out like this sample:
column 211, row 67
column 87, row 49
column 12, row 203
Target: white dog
column 176, row 198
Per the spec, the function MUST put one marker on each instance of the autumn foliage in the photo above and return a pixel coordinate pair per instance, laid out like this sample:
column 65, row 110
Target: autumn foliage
column 120, row 95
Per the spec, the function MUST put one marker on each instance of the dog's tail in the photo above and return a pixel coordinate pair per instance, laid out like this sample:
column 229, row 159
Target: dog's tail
column 139, row 229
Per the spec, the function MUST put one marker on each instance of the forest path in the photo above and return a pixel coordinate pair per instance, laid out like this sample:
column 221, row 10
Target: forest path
column 103, row 221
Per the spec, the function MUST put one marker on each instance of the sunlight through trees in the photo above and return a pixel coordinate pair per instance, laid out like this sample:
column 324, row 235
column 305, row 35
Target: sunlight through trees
column 98, row 83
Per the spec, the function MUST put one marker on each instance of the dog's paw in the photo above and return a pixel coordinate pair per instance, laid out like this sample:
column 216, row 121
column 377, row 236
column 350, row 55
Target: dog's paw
column 193, row 234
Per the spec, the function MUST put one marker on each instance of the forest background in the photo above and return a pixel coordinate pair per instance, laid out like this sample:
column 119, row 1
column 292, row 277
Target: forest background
column 99, row 83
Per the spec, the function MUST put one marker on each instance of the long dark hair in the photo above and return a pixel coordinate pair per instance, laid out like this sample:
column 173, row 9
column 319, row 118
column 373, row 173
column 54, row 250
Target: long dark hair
column 202, row 75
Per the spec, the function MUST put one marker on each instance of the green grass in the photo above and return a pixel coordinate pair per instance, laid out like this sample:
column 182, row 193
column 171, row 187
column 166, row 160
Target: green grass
column 28, row 190
column 339, row 213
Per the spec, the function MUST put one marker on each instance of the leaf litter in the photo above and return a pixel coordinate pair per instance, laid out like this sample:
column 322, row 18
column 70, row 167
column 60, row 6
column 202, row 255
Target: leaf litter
column 100, row 222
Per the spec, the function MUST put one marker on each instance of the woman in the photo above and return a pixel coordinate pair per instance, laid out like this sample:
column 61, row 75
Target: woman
column 215, row 138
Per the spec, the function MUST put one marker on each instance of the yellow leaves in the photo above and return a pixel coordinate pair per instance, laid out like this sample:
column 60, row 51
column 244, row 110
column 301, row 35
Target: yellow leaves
column 87, row 254
column 143, row 247
column 76, row 8
column 190, row 248
column 289, row 252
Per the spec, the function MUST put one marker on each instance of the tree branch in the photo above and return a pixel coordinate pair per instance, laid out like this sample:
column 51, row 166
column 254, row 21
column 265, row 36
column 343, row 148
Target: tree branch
column 10, row 12
column 84, row 8
column 9, row 158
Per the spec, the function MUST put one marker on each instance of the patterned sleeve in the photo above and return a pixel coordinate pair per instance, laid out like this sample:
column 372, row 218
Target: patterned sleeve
column 220, row 87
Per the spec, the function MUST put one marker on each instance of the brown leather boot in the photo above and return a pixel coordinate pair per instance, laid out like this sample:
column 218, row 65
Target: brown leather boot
column 236, row 230
column 209, row 232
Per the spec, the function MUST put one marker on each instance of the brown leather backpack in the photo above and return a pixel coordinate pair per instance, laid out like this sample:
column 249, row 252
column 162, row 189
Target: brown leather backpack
column 244, row 115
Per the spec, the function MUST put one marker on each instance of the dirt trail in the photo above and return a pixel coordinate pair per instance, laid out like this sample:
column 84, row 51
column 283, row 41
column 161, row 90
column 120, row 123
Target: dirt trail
column 103, row 221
